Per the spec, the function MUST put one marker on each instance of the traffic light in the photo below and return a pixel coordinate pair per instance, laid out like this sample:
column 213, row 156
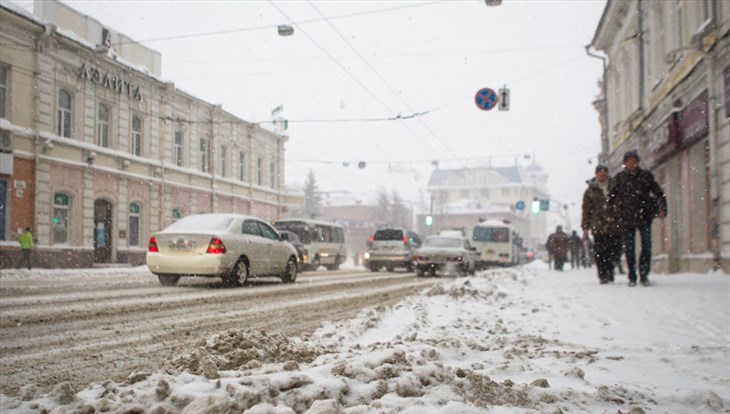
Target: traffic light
column 429, row 221
column 504, row 99
column 535, row 206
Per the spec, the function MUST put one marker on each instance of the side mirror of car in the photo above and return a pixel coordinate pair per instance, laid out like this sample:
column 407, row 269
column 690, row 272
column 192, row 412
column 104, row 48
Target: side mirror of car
column 284, row 236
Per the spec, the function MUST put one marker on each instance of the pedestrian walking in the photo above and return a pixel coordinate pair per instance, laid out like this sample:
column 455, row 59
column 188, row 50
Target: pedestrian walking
column 26, row 246
column 576, row 245
column 636, row 200
column 598, row 219
column 558, row 244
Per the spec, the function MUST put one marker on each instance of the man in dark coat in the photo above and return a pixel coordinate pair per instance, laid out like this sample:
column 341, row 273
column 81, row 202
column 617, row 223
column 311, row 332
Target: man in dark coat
column 635, row 200
column 576, row 246
column 598, row 220
column 559, row 244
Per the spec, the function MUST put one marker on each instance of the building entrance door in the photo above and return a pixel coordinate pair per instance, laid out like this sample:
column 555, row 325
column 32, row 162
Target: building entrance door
column 102, row 231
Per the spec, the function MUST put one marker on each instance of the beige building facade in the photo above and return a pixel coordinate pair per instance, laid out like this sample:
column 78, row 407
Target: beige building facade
column 666, row 93
column 98, row 152
column 460, row 198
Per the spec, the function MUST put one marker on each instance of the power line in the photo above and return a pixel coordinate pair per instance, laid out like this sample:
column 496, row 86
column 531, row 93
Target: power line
column 265, row 27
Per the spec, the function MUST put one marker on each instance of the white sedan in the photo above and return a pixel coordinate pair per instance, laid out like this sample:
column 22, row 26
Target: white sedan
column 230, row 246
column 447, row 254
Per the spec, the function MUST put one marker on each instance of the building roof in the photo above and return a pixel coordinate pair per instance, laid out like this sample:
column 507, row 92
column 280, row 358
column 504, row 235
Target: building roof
column 438, row 177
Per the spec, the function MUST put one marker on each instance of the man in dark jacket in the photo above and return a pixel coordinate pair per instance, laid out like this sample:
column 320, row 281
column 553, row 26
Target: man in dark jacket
column 558, row 244
column 598, row 220
column 635, row 200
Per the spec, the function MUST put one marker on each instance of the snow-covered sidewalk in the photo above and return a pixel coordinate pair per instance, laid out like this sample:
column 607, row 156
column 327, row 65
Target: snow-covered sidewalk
column 523, row 340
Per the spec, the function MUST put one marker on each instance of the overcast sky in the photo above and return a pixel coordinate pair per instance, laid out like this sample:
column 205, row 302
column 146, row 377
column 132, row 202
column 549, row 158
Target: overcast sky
column 350, row 61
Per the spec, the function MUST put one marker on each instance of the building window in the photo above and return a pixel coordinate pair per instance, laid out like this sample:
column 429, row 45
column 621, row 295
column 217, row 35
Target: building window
column 177, row 149
column 64, row 114
column 242, row 166
column 4, row 95
column 464, row 193
column 260, row 171
column 485, row 192
column 223, row 161
column 61, row 206
column 134, row 214
column 272, row 174
column 679, row 23
column 136, row 135
column 204, row 155
column 176, row 214
column 102, row 126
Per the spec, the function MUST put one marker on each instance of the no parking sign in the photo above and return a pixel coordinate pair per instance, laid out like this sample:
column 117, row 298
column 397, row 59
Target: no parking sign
column 486, row 99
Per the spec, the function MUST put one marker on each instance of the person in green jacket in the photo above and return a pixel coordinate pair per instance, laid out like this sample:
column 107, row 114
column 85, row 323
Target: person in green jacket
column 26, row 244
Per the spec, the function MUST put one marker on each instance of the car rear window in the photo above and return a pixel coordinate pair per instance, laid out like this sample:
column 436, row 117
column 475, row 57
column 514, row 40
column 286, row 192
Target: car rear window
column 389, row 235
column 200, row 223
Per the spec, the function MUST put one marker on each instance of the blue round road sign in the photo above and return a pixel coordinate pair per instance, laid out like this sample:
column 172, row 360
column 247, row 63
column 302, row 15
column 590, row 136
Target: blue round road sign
column 520, row 205
column 486, row 99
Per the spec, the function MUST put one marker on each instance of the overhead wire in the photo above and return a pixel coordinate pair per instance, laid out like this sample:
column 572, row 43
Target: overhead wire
column 386, row 83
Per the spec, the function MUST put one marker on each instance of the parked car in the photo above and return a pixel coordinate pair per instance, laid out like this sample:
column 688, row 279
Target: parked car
column 446, row 254
column 230, row 246
column 293, row 239
column 391, row 248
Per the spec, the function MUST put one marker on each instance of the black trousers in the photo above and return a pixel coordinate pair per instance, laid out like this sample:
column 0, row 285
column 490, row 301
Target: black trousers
column 607, row 251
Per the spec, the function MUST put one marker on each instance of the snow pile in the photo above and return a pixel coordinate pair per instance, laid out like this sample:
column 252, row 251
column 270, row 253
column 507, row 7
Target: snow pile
column 507, row 341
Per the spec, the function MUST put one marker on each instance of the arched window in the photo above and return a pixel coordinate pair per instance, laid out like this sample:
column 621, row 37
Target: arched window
column 136, row 144
column 61, row 225
column 102, row 126
column 135, row 212
column 64, row 114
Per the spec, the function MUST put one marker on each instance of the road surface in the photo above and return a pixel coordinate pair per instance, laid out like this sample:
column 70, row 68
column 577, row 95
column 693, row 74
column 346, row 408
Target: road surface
column 85, row 329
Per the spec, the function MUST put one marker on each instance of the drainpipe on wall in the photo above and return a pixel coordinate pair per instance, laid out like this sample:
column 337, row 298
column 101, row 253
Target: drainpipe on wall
column 642, row 88
column 604, row 91
column 49, row 30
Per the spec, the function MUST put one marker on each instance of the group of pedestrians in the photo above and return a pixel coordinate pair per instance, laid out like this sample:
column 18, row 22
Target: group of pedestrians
column 614, row 209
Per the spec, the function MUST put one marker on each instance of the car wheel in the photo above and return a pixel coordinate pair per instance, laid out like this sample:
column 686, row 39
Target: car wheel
column 374, row 268
column 419, row 272
column 433, row 272
column 315, row 263
column 409, row 268
column 290, row 273
column 168, row 280
column 335, row 266
column 390, row 268
column 239, row 274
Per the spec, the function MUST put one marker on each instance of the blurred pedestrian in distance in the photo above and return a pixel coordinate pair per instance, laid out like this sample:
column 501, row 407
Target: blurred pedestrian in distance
column 558, row 244
column 636, row 200
column 598, row 219
column 586, row 251
column 576, row 245
column 26, row 245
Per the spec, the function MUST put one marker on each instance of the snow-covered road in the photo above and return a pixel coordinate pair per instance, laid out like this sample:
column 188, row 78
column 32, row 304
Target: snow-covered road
column 522, row 340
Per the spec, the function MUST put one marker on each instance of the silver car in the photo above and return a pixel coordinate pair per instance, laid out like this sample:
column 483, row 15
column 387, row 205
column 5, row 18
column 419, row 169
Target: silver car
column 230, row 246
column 447, row 254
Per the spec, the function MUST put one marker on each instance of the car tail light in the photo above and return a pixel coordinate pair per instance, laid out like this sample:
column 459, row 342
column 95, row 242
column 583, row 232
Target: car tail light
column 216, row 246
column 152, row 247
column 405, row 239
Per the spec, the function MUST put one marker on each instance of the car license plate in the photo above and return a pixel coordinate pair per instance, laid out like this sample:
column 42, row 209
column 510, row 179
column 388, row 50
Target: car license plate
column 182, row 244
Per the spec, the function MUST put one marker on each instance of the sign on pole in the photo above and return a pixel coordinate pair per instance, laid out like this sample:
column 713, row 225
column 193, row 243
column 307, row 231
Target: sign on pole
column 486, row 99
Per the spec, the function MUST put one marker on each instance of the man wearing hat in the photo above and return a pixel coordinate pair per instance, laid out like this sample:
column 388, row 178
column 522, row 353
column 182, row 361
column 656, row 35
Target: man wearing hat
column 635, row 200
column 598, row 220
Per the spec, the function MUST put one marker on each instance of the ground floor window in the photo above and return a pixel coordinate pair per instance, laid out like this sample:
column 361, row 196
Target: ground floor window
column 134, row 214
column 61, row 207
